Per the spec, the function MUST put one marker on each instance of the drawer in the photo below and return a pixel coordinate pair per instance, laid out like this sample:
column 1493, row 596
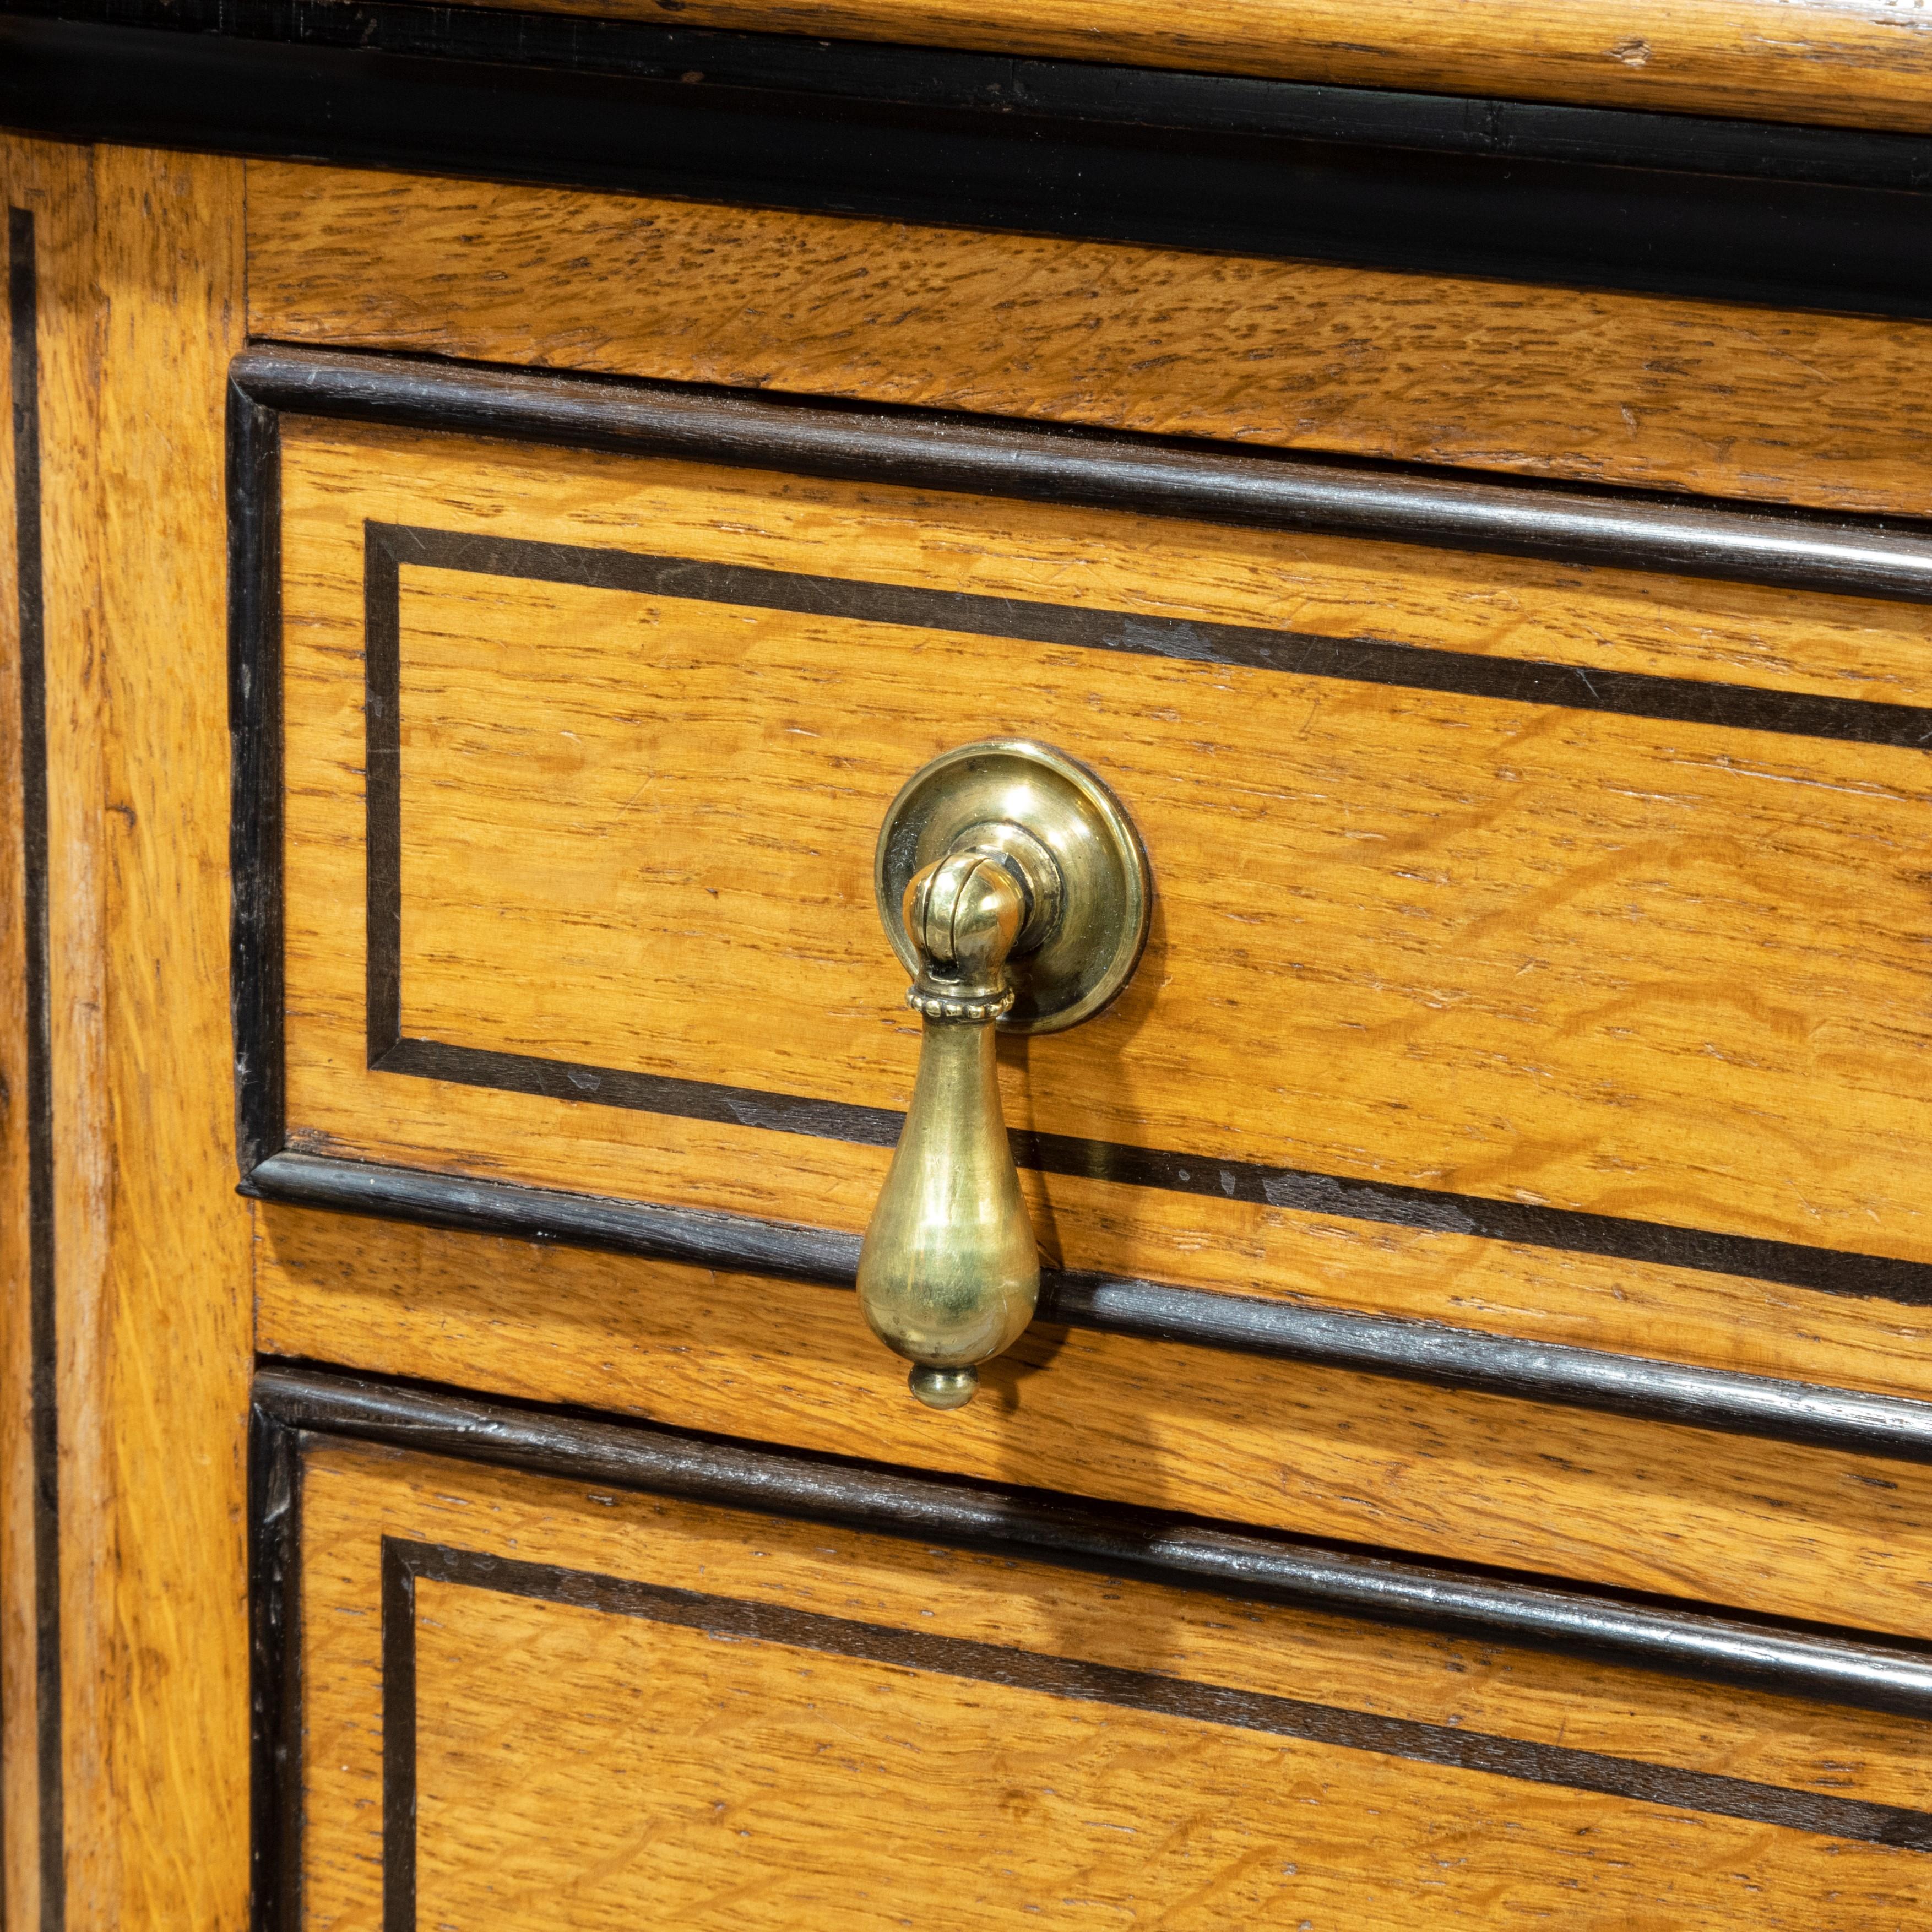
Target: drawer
column 1537, row 954
column 681, row 1684
column 471, row 600
column 1498, row 900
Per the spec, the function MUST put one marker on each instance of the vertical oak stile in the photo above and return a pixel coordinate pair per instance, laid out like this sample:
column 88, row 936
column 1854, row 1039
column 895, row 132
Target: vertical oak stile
column 164, row 1838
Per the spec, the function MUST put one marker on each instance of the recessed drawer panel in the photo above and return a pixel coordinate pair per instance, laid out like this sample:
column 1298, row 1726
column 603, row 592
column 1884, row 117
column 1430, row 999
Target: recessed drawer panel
column 535, row 1701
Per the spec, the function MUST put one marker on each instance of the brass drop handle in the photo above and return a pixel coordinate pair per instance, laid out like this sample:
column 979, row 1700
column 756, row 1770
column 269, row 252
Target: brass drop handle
column 1013, row 886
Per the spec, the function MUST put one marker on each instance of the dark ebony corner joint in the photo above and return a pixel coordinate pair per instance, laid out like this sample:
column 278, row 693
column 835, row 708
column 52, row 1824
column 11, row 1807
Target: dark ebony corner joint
column 296, row 1407
column 1860, row 556
column 1678, row 204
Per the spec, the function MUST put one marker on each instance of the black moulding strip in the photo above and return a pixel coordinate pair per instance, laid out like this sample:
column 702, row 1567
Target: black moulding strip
column 1856, row 557
column 1720, row 1400
column 1781, row 1658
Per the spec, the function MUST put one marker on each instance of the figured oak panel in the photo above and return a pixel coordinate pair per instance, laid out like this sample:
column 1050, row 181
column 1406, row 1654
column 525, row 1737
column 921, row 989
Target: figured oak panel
column 1668, row 972
column 625, row 1709
column 158, row 1778
column 1746, row 402
column 1803, row 1533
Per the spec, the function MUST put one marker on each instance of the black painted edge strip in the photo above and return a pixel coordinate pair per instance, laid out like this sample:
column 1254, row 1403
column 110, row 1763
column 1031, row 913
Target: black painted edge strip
column 256, row 994
column 1726, row 1400
column 1214, row 1176
column 1624, row 530
column 23, row 316
column 1781, row 1658
column 274, row 1674
column 741, row 1620
column 1808, row 240
column 1026, row 88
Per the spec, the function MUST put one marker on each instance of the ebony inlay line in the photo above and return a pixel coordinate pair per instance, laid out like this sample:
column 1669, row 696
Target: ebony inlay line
column 683, row 1100
column 1302, row 654
column 1772, row 1655
column 22, row 295
column 1770, row 1408
column 398, row 1613
column 382, row 788
column 1077, row 1679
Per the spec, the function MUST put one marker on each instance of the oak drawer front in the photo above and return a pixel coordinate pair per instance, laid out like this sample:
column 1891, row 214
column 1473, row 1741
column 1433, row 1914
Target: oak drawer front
column 533, row 1700
column 1584, row 910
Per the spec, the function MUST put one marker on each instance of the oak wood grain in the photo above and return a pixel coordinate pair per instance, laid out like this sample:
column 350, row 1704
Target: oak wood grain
column 1850, row 63
column 158, row 1796
column 579, row 1768
column 1825, row 410
column 1796, row 1532
column 1665, row 971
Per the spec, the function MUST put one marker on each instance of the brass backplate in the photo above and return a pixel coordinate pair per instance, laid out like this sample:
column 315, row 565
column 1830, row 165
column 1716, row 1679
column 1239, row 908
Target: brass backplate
column 1091, row 949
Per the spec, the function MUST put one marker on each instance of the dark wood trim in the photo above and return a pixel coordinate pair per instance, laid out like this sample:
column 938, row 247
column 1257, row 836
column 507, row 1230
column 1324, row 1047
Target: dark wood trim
column 1762, row 1406
column 254, row 486
column 1854, row 556
column 42, row 1346
column 737, row 1620
column 1678, row 204
column 1780, row 1656
column 942, row 79
column 274, row 1673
